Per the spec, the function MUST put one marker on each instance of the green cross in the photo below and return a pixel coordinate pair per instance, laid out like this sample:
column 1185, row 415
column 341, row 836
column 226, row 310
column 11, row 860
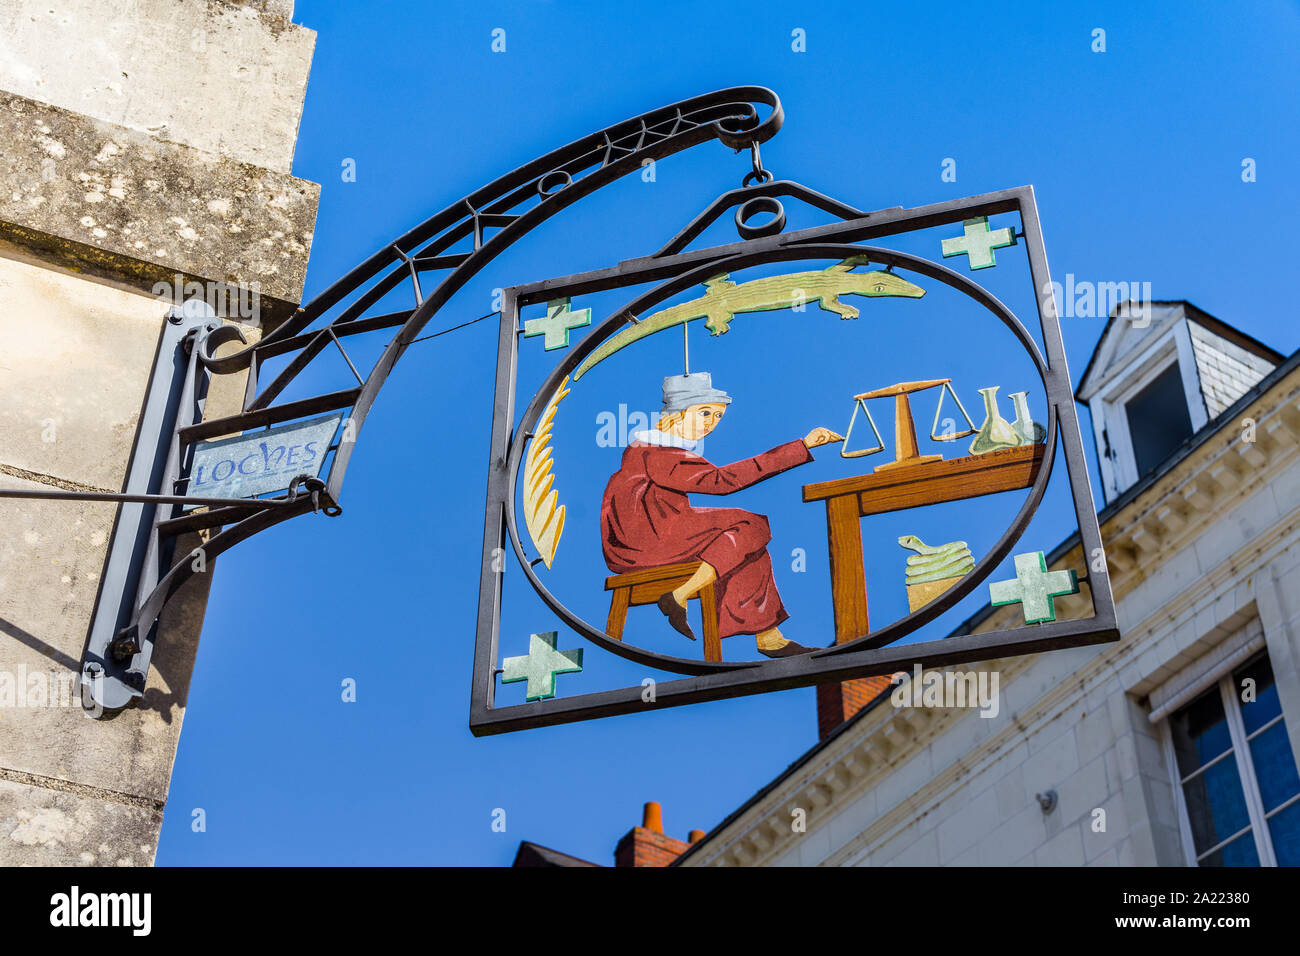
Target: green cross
column 978, row 242
column 1034, row 587
column 540, row 665
column 559, row 319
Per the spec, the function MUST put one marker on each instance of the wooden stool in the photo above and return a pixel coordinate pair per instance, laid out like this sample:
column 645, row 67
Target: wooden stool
column 646, row 587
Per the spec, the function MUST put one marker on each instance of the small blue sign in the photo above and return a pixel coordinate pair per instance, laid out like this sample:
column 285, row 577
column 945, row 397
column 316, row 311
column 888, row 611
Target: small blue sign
column 260, row 462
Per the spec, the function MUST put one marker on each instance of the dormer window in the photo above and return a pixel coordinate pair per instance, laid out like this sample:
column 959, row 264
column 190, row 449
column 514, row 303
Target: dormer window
column 1158, row 420
column 1159, row 375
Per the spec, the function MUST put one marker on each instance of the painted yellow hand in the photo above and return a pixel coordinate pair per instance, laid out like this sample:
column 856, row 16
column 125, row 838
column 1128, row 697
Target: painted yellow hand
column 822, row 436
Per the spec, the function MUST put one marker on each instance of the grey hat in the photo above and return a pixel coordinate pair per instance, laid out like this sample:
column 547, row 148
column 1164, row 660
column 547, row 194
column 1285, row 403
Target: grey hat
column 694, row 388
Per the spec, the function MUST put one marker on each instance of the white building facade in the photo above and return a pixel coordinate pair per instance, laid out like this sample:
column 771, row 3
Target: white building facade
column 1175, row 746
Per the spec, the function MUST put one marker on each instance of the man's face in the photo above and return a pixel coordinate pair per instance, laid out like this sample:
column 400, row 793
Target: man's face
column 700, row 420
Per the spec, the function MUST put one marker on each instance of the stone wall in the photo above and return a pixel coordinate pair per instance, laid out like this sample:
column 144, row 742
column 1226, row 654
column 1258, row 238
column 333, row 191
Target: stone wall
column 224, row 78
column 142, row 141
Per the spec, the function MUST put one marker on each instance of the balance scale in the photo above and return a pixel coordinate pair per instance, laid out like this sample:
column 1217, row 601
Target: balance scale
column 905, row 448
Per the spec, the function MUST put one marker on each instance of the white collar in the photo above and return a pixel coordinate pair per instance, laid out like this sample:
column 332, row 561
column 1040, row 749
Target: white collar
column 654, row 436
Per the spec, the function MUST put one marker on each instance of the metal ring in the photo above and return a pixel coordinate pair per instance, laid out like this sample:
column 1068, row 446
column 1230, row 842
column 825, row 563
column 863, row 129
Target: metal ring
column 757, row 206
column 541, row 183
column 759, row 176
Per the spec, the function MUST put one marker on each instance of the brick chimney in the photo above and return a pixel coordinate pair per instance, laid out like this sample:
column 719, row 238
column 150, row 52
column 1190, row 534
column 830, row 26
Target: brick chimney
column 838, row 703
column 647, row 845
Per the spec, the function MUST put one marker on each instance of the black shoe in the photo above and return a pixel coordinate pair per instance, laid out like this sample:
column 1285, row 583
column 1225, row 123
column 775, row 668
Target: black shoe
column 676, row 614
column 789, row 649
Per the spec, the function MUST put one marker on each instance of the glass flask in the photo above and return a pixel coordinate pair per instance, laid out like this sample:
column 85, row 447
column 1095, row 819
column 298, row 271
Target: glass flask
column 1031, row 431
column 996, row 432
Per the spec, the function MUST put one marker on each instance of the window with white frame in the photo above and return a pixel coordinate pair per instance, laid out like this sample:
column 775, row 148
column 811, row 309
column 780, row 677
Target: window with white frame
column 1235, row 776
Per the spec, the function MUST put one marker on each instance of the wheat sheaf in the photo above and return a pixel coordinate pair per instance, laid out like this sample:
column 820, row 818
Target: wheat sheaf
column 544, row 520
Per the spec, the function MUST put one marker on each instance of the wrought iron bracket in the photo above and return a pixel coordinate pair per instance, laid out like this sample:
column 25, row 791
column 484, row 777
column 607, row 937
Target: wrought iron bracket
column 116, row 660
column 135, row 587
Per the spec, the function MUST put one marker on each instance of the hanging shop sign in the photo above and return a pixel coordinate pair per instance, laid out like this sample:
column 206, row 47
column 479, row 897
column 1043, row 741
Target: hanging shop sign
column 640, row 554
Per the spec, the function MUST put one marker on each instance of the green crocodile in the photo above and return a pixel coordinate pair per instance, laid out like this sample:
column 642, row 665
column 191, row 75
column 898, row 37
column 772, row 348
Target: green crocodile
column 724, row 300
column 936, row 563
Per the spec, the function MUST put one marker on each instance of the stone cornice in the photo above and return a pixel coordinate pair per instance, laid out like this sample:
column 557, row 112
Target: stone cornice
column 117, row 203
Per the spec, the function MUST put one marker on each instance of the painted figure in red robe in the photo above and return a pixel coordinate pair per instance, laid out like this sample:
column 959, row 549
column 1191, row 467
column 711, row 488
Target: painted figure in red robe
column 647, row 520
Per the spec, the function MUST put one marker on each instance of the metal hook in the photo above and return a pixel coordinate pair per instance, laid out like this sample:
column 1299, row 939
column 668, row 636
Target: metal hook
column 758, row 174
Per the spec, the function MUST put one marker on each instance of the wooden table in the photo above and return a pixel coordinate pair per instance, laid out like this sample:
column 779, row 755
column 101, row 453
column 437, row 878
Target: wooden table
column 848, row 500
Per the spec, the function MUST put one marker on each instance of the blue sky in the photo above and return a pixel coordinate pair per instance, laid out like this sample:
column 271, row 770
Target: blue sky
column 1136, row 157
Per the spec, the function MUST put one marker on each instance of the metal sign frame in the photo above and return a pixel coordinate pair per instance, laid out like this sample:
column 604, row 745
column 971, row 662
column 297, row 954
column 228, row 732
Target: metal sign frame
column 873, row 654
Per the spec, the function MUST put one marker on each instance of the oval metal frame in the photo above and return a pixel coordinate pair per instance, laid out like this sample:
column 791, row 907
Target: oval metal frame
column 893, row 631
